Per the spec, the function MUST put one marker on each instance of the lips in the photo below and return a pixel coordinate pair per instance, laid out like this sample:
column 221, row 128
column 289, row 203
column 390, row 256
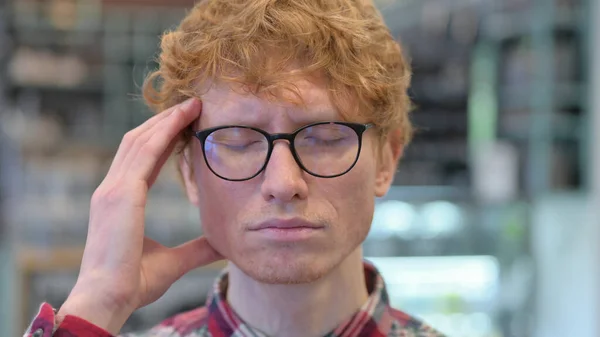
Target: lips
column 287, row 231
column 283, row 224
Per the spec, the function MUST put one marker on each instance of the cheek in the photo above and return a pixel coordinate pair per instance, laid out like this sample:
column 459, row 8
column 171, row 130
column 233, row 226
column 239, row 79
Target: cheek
column 354, row 200
column 217, row 207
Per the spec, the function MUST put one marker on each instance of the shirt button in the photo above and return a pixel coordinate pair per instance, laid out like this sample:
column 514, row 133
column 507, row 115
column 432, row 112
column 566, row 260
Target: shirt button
column 38, row 333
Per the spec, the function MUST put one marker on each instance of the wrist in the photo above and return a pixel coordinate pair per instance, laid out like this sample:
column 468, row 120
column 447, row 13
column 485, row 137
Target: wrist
column 93, row 309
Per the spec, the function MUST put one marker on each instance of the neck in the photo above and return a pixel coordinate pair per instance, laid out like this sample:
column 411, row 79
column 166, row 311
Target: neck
column 300, row 310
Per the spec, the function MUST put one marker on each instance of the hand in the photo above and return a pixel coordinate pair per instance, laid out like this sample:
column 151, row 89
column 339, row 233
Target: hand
column 121, row 269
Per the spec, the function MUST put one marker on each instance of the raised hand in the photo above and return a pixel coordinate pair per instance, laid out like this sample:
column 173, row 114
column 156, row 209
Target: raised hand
column 122, row 269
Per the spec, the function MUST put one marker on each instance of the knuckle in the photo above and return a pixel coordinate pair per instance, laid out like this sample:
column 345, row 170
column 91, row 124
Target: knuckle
column 129, row 137
column 104, row 196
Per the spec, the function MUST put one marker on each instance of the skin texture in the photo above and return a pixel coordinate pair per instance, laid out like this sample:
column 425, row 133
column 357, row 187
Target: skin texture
column 267, row 275
column 343, row 205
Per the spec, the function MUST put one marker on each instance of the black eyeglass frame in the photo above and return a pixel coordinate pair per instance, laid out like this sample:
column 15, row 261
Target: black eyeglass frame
column 359, row 128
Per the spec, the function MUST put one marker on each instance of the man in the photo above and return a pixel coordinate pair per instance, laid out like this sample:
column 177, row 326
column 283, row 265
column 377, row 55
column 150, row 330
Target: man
column 297, row 118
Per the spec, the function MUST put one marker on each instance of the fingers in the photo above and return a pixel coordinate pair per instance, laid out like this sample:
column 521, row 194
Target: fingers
column 161, row 162
column 178, row 261
column 153, row 152
column 124, row 153
column 193, row 254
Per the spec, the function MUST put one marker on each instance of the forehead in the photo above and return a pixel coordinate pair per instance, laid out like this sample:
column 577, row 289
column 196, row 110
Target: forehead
column 224, row 104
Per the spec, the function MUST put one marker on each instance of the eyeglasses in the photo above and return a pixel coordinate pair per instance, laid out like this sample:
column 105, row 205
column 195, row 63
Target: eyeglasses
column 325, row 149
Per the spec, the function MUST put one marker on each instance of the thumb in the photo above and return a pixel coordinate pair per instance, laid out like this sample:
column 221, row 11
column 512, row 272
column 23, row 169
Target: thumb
column 193, row 254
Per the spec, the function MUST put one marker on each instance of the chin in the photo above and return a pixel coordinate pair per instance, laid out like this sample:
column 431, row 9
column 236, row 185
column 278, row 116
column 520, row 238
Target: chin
column 285, row 268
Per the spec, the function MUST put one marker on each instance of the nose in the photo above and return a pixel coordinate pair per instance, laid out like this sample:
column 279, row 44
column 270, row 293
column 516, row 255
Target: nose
column 283, row 179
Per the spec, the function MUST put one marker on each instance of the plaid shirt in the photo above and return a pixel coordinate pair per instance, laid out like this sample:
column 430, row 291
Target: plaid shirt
column 217, row 319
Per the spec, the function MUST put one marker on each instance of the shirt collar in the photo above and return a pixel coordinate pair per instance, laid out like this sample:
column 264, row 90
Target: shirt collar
column 373, row 315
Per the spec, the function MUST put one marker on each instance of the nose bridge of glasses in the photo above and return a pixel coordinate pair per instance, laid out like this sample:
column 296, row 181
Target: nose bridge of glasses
column 281, row 136
column 290, row 140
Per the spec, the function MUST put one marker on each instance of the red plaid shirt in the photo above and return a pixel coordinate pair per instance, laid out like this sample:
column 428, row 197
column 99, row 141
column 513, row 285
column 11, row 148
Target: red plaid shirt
column 217, row 319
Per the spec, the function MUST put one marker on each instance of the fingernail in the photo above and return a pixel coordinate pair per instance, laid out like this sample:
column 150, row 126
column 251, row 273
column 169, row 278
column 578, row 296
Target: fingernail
column 187, row 104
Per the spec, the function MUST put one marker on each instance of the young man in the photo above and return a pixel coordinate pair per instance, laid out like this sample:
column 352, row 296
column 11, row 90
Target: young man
column 291, row 117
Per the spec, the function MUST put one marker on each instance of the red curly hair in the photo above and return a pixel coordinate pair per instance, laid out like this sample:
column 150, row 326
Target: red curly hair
column 256, row 43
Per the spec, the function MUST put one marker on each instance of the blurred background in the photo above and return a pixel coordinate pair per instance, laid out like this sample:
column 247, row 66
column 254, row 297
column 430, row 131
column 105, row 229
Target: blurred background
column 491, row 228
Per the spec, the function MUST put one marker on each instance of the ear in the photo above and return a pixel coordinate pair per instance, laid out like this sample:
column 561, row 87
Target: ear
column 187, row 175
column 390, row 152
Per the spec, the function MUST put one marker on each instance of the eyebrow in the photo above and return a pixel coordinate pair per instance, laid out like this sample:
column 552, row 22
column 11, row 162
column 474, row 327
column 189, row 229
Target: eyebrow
column 248, row 119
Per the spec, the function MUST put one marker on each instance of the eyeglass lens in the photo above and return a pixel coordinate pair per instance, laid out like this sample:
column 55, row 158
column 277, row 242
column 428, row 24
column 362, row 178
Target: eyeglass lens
column 239, row 153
